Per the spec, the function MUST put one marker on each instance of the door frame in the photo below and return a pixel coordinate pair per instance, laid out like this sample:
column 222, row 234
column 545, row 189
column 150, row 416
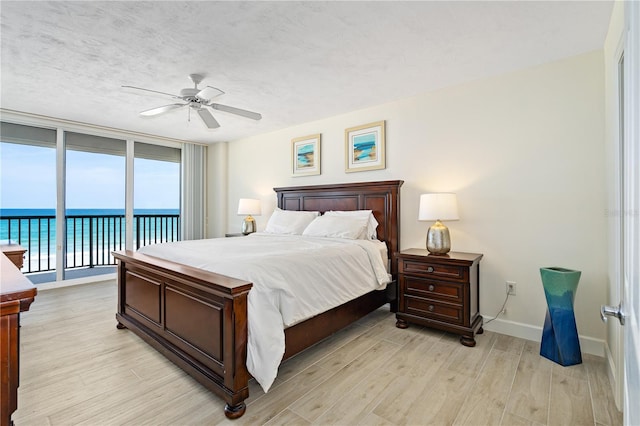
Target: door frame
column 614, row 350
column 631, row 194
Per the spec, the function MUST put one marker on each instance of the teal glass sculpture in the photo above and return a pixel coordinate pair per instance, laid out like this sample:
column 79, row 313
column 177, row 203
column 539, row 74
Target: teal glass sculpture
column 560, row 341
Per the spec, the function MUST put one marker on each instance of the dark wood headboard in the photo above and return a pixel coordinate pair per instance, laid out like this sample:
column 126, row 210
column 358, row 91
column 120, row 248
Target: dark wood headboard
column 383, row 198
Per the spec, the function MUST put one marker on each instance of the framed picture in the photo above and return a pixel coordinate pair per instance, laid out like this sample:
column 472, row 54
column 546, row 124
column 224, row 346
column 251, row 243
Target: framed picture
column 364, row 147
column 305, row 155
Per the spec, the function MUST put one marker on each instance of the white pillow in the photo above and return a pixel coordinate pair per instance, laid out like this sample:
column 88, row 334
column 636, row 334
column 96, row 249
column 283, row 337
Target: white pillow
column 368, row 214
column 289, row 221
column 337, row 227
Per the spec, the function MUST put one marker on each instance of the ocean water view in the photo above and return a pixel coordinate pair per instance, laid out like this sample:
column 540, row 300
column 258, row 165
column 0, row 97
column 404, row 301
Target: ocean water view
column 83, row 212
column 91, row 234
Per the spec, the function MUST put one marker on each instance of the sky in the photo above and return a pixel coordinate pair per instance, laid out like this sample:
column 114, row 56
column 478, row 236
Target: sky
column 94, row 181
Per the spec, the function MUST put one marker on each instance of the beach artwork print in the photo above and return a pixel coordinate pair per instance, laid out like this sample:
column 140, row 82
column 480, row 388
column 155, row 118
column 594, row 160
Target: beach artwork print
column 305, row 155
column 365, row 147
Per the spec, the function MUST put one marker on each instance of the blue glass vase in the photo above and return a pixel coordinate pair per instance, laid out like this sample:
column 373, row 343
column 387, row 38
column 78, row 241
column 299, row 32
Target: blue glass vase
column 560, row 341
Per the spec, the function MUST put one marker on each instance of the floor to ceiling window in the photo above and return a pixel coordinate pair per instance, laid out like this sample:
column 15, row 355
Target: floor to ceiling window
column 95, row 203
column 156, row 194
column 28, row 193
column 71, row 198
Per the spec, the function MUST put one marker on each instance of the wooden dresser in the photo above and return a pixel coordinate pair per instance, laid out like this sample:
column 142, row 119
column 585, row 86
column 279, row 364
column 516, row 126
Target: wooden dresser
column 441, row 292
column 16, row 295
column 14, row 252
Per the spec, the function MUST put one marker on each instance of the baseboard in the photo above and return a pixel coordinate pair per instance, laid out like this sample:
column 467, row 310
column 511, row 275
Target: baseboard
column 588, row 345
column 612, row 373
column 76, row 281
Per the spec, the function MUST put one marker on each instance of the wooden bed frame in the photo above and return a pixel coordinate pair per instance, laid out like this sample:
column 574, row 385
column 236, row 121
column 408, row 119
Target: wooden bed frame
column 198, row 319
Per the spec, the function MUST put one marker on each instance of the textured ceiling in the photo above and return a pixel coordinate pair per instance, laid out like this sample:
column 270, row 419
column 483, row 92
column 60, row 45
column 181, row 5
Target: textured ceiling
column 293, row 62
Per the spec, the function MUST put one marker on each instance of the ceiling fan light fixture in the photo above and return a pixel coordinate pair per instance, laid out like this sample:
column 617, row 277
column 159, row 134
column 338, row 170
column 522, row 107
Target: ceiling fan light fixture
column 197, row 98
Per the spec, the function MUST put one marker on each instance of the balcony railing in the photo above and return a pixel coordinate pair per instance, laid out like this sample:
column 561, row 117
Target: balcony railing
column 89, row 240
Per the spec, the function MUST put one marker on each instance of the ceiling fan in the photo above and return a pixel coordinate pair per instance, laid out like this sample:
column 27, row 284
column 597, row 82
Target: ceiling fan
column 197, row 99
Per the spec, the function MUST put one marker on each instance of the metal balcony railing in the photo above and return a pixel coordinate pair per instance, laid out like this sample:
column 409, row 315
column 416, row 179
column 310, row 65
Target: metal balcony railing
column 89, row 240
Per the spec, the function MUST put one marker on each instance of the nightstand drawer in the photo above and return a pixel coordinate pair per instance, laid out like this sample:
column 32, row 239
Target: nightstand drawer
column 430, row 289
column 435, row 270
column 428, row 308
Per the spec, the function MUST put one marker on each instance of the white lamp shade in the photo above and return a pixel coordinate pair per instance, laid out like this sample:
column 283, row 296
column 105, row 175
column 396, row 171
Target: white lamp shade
column 249, row 206
column 439, row 206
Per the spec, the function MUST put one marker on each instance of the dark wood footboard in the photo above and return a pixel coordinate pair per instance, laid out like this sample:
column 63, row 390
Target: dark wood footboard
column 195, row 318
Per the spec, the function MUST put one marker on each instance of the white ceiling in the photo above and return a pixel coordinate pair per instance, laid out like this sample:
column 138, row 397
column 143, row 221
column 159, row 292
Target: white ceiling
column 294, row 62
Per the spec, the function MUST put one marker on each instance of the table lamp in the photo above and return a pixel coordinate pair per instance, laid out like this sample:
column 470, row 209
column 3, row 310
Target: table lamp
column 249, row 207
column 438, row 206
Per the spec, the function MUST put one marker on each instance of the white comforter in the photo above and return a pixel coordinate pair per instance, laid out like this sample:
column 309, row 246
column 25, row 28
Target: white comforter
column 294, row 278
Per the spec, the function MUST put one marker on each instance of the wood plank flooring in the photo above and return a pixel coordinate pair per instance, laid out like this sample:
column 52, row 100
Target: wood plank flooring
column 78, row 369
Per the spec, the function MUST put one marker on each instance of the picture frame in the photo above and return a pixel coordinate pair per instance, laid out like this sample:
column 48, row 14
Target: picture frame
column 305, row 155
column 365, row 147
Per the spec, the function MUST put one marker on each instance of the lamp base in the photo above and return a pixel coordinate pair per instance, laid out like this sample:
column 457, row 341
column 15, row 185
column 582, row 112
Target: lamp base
column 438, row 239
column 248, row 225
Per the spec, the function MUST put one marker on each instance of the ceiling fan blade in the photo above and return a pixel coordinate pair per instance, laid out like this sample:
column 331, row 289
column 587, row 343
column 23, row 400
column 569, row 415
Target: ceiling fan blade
column 237, row 111
column 152, row 91
column 162, row 109
column 208, row 119
column 209, row 93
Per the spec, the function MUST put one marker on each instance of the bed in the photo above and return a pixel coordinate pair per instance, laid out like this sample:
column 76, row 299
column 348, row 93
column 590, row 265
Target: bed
column 166, row 303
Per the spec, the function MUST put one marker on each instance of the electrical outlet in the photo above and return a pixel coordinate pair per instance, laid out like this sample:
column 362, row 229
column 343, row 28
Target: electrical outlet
column 511, row 288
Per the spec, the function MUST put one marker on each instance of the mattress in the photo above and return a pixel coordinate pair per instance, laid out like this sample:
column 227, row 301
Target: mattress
column 294, row 278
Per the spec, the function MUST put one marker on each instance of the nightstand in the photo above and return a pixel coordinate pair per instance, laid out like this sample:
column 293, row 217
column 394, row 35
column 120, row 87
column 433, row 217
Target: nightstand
column 238, row 234
column 441, row 292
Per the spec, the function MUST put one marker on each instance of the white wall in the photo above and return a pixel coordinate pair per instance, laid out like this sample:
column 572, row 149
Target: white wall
column 524, row 153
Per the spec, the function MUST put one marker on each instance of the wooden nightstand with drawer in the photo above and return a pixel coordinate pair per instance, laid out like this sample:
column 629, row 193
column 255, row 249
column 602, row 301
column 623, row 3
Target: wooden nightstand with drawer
column 441, row 292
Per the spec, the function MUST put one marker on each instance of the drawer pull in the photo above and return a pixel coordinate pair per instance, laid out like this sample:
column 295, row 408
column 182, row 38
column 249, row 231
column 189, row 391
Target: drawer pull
column 431, row 308
column 430, row 269
column 431, row 287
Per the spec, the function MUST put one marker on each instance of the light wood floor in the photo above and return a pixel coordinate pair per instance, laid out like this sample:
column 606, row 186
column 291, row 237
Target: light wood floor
column 77, row 368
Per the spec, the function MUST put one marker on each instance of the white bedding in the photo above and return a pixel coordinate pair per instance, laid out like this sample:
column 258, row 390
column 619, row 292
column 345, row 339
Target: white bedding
column 294, row 278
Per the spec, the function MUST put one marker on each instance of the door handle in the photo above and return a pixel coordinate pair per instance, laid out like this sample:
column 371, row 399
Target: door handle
column 612, row 311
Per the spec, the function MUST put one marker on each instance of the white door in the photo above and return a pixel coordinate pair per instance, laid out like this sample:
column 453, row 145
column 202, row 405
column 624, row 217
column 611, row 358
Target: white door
column 631, row 197
column 629, row 309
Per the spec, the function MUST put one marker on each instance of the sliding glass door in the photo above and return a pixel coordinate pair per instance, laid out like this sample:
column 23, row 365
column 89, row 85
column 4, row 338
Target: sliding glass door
column 156, row 194
column 95, row 203
column 28, row 193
